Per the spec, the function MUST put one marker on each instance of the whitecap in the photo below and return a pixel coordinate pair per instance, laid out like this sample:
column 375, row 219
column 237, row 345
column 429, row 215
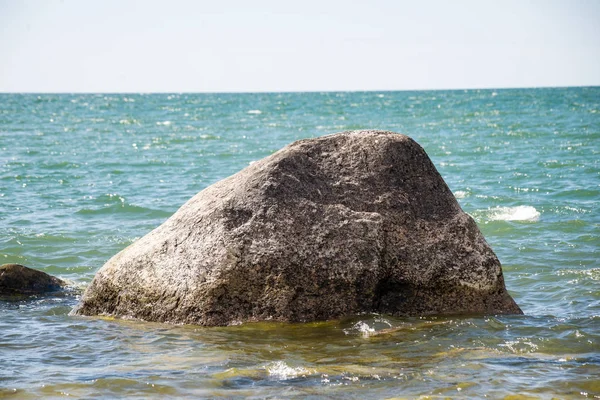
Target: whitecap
column 362, row 328
column 460, row 194
column 128, row 121
column 281, row 370
column 254, row 112
column 165, row 123
column 518, row 213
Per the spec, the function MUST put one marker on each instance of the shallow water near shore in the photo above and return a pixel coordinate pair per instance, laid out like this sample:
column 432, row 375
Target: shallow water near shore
column 83, row 176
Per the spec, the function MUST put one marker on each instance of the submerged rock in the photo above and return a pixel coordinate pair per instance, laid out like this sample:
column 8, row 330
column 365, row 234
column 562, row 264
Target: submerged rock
column 347, row 223
column 16, row 279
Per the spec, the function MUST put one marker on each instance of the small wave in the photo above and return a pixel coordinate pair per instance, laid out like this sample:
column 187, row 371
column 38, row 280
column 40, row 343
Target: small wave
column 593, row 273
column 59, row 165
column 124, row 208
column 281, row 370
column 209, row 137
column 364, row 329
column 129, row 121
column 55, row 238
column 518, row 213
column 461, row 194
column 254, row 112
column 163, row 123
column 376, row 326
column 520, row 346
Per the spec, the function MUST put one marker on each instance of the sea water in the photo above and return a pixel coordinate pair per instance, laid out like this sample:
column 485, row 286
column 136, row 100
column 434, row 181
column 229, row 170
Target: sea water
column 84, row 175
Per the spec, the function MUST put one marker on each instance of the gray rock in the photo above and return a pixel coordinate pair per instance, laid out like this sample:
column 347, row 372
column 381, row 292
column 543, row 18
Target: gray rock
column 347, row 223
column 16, row 279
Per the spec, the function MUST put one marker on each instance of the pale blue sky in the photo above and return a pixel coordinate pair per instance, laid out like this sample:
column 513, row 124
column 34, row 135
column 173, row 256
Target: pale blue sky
column 264, row 45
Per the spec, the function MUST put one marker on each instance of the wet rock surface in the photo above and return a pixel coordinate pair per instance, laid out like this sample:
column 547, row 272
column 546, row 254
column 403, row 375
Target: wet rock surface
column 19, row 280
column 348, row 223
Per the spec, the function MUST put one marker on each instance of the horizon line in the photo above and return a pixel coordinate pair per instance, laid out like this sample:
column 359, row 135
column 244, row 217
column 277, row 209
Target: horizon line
column 305, row 91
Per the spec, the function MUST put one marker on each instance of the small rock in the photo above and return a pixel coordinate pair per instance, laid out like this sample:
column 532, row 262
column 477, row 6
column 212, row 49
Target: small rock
column 16, row 279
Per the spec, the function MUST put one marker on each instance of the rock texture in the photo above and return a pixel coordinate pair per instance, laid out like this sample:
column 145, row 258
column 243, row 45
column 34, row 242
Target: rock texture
column 16, row 279
column 353, row 222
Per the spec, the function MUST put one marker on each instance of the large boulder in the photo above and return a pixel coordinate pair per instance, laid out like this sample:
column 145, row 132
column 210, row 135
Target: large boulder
column 348, row 223
column 16, row 279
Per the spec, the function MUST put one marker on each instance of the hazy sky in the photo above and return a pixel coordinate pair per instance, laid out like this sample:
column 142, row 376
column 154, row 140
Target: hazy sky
column 263, row 45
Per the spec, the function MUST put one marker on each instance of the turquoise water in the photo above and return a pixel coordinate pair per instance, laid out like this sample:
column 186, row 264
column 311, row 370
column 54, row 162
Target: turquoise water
column 83, row 176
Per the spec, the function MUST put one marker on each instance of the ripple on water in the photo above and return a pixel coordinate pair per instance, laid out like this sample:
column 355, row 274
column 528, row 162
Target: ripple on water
column 113, row 203
column 60, row 181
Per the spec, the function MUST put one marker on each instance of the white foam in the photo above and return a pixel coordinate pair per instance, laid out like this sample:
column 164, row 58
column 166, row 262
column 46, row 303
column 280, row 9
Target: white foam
column 518, row 213
column 164, row 123
column 281, row 370
column 362, row 328
column 254, row 112
column 460, row 194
